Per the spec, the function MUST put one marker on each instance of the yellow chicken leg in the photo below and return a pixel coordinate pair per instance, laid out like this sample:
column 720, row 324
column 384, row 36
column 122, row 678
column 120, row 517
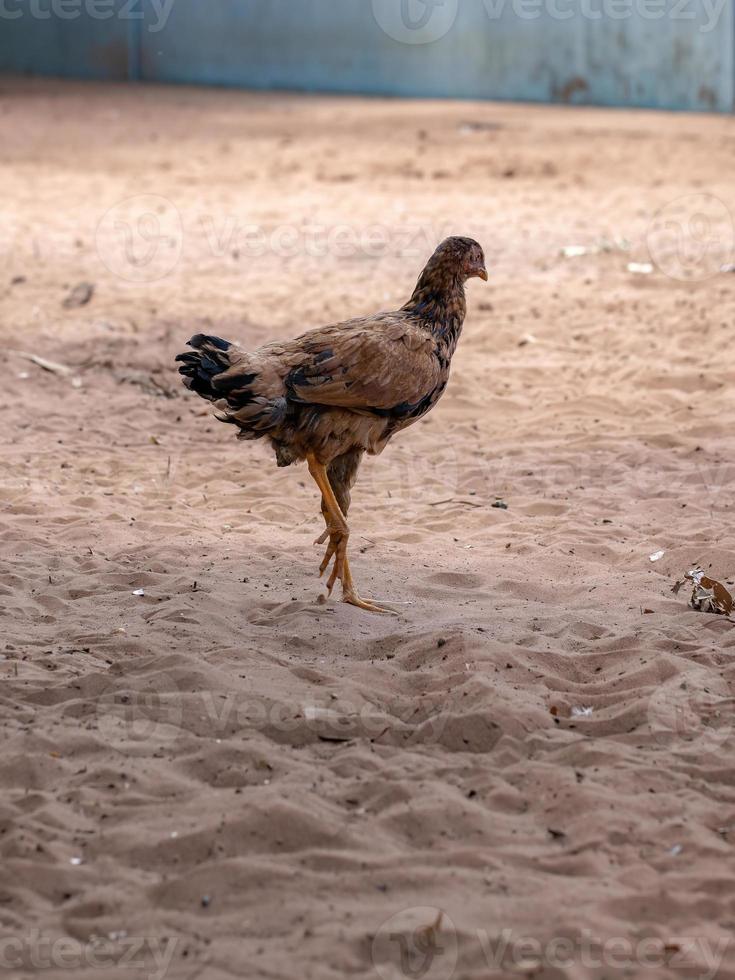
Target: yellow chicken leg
column 338, row 533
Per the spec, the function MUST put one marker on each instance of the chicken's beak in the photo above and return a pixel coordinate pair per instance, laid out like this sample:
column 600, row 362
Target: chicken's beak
column 482, row 274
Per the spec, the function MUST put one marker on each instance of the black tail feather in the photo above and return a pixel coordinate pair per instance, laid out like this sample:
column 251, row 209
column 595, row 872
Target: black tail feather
column 199, row 340
column 208, row 370
column 200, row 367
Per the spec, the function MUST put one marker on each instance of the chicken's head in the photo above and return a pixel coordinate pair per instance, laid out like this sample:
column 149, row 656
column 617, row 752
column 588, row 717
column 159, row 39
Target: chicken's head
column 465, row 254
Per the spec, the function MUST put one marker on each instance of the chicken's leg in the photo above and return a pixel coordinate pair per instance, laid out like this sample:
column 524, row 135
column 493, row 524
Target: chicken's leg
column 338, row 533
column 341, row 473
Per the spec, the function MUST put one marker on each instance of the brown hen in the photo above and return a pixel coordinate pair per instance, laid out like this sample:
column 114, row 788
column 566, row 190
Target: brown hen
column 337, row 392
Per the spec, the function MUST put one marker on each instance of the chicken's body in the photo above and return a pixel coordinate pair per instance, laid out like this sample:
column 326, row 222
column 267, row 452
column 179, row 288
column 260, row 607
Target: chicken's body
column 336, row 392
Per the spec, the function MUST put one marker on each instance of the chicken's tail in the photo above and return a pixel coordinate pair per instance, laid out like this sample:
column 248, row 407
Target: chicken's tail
column 201, row 366
column 221, row 372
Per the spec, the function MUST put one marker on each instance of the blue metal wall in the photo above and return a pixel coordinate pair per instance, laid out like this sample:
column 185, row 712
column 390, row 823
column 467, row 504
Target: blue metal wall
column 502, row 49
column 40, row 42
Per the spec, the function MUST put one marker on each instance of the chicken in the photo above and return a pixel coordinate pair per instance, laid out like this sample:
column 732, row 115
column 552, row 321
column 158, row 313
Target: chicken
column 337, row 392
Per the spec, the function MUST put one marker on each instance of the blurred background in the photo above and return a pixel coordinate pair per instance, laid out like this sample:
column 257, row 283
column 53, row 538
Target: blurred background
column 675, row 54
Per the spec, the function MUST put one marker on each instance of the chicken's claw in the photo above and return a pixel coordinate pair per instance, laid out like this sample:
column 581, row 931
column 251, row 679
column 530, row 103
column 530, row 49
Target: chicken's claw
column 331, row 549
column 337, row 544
column 353, row 599
column 342, row 572
column 350, row 596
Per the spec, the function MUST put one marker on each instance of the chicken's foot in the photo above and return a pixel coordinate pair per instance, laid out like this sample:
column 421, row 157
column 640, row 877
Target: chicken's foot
column 338, row 533
column 331, row 547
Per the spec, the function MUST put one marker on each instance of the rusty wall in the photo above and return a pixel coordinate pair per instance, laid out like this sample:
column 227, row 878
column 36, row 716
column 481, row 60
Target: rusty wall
column 675, row 54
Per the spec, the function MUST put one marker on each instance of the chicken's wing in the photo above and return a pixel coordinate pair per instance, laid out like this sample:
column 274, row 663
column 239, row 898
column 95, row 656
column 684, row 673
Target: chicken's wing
column 379, row 366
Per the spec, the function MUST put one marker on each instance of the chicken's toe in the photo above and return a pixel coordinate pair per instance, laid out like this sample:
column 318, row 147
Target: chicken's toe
column 340, row 559
column 353, row 599
column 350, row 594
column 328, row 554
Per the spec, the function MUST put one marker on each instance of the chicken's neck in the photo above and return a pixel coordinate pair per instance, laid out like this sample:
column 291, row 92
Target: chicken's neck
column 439, row 302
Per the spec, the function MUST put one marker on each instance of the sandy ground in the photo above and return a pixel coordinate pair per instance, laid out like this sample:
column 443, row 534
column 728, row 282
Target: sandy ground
column 223, row 778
